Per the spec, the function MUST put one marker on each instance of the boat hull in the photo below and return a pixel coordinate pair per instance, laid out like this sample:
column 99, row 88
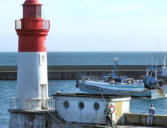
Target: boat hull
column 136, row 90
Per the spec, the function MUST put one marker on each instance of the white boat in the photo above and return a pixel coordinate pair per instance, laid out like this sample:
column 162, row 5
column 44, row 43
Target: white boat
column 115, row 85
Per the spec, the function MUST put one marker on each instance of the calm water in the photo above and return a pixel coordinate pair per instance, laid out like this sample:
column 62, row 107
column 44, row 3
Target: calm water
column 8, row 89
column 92, row 58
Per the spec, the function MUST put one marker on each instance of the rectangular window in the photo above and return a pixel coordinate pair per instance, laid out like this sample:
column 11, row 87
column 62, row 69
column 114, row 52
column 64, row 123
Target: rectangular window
column 38, row 11
column 32, row 11
column 44, row 95
column 43, row 91
column 43, row 59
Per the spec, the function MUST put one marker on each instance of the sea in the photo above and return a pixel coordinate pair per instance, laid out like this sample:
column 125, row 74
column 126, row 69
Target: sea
column 8, row 88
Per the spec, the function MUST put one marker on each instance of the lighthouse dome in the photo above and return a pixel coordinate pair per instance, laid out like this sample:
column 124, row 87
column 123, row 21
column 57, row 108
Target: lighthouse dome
column 32, row 2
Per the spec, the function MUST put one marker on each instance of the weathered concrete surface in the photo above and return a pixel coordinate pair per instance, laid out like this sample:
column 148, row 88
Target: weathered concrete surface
column 41, row 119
column 29, row 119
column 137, row 126
column 141, row 119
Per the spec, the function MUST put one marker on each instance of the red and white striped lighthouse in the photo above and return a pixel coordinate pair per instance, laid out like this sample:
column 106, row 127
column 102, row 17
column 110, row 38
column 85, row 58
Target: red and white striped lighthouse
column 32, row 79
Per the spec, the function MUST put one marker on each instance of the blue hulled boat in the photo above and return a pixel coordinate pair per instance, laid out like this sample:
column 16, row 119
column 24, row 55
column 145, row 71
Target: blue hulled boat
column 114, row 84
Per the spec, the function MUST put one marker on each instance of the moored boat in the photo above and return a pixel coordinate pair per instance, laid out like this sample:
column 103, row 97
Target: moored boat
column 113, row 84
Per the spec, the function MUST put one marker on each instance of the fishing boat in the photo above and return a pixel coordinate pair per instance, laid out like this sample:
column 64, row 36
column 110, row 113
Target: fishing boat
column 114, row 84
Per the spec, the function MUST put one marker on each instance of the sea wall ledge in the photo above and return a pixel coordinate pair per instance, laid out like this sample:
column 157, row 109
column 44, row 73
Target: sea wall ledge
column 141, row 119
column 43, row 119
column 73, row 72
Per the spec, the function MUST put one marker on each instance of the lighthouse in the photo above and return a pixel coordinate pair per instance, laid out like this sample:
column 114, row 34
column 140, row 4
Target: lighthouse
column 32, row 79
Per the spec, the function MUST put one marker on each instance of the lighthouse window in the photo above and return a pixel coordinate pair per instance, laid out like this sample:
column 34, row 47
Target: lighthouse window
column 31, row 11
column 38, row 11
column 43, row 58
column 43, row 91
column 96, row 106
column 81, row 105
column 66, row 104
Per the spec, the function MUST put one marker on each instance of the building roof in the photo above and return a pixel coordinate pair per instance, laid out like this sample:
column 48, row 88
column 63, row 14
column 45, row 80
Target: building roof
column 90, row 95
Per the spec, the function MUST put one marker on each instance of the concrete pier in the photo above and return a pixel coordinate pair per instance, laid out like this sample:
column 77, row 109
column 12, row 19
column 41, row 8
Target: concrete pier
column 28, row 119
column 73, row 72
column 82, row 111
column 141, row 119
column 42, row 119
column 137, row 126
column 71, row 111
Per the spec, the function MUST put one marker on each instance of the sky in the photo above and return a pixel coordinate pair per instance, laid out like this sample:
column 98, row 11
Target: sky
column 93, row 25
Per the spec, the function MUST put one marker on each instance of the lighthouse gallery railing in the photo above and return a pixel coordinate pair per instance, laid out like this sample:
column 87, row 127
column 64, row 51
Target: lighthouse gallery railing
column 19, row 24
column 13, row 103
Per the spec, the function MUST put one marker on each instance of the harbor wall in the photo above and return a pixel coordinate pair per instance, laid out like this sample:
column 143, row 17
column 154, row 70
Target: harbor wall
column 41, row 119
column 141, row 119
column 38, row 119
column 73, row 72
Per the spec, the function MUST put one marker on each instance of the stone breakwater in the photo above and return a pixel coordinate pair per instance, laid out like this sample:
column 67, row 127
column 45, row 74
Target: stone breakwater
column 73, row 72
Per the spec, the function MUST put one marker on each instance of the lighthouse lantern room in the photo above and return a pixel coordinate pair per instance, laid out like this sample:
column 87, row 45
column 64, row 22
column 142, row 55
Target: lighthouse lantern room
column 32, row 79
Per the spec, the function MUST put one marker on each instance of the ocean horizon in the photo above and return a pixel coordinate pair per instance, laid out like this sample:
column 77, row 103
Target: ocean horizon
column 92, row 58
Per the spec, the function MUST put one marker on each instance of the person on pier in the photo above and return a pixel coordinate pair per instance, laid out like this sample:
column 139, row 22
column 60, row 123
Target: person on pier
column 108, row 114
column 151, row 115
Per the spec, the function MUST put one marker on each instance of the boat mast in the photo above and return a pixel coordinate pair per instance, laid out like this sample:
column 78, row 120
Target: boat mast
column 164, row 61
column 115, row 66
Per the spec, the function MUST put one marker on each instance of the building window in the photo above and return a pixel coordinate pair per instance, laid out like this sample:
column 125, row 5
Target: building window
column 81, row 105
column 66, row 104
column 96, row 106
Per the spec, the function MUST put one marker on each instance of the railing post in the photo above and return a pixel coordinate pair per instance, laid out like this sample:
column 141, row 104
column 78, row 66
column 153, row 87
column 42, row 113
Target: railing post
column 17, row 24
column 46, row 24
column 51, row 102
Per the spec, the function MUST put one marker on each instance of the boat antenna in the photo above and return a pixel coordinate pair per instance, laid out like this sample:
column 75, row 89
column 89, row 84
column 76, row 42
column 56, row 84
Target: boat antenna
column 152, row 60
column 156, row 68
column 157, row 58
column 156, row 62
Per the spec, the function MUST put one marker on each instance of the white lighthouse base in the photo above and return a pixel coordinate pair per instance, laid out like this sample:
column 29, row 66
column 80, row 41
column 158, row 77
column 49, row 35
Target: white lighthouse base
column 28, row 104
column 31, row 104
column 30, row 119
column 32, row 82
